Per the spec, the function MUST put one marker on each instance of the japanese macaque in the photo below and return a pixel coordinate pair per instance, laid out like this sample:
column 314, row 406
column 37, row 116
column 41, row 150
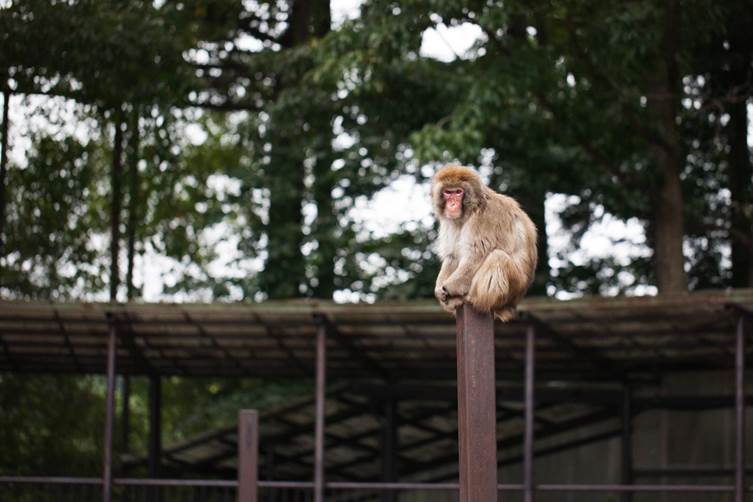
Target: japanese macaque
column 487, row 244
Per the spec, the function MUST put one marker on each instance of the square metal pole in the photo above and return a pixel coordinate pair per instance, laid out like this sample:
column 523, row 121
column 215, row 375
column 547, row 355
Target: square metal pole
column 125, row 414
column 477, row 424
column 155, row 426
column 109, row 413
column 321, row 361
column 528, row 487
column 154, row 493
column 627, row 440
column 248, row 455
column 740, row 410
column 390, row 446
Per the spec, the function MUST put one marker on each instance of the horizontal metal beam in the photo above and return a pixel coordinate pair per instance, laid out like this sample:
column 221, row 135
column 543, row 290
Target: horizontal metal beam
column 346, row 485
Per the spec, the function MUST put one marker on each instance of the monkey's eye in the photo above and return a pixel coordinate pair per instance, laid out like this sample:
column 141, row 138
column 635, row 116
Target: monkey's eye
column 453, row 191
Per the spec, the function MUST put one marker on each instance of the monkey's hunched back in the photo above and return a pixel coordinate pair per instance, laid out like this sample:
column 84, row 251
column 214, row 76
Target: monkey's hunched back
column 488, row 246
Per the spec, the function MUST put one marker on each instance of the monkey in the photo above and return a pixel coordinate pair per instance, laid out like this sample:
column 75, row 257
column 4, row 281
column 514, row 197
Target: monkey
column 486, row 242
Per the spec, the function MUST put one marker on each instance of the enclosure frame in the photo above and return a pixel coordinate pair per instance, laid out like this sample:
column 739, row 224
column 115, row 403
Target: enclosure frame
column 533, row 327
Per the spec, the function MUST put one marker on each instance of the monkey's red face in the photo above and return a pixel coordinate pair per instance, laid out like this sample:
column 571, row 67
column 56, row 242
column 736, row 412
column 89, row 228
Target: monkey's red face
column 453, row 202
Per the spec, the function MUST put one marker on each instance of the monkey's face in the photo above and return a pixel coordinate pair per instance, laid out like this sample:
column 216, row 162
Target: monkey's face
column 453, row 202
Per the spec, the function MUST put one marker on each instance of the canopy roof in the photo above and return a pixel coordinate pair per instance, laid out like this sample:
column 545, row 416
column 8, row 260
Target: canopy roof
column 577, row 339
column 384, row 354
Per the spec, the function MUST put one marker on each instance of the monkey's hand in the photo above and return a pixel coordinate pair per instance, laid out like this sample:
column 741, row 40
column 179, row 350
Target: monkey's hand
column 456, row 288
column 440, row 294
column 452, row 304
column 448, row 303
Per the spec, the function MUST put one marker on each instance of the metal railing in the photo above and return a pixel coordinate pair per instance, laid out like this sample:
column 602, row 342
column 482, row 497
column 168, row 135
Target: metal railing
column 248, row 489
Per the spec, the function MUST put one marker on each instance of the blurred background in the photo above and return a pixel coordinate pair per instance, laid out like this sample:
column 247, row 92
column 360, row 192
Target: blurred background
column 254, row 150
column 227, row 150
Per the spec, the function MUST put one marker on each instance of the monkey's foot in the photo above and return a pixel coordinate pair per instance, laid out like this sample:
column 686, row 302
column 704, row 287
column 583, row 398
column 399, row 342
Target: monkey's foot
column 506, row 314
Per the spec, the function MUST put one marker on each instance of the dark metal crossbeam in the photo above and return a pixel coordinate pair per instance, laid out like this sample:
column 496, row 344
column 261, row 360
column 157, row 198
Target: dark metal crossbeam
column 516, row 440
column 271, row 331
column 601, row 363
column 134, row 349
column 6, row 352
column 357, row 352
column 67, row 340
column 212, row 340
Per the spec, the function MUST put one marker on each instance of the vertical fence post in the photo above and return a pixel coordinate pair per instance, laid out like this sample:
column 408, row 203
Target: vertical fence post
column 627, row 440
column 125, row 414
column 390, row 446
column 155, row 436
column 109, row 411
column 740, row 410
column 476, row 405
column 321, row 361
column 248, row 455
column 528, row 488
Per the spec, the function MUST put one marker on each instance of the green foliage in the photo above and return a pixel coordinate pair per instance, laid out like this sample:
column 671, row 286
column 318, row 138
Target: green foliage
column 194, row 406
column 550, row 99
column 47, row 424
column 56, row 208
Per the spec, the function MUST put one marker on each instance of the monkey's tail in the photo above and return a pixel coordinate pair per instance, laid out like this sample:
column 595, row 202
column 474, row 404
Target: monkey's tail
column 498, row 285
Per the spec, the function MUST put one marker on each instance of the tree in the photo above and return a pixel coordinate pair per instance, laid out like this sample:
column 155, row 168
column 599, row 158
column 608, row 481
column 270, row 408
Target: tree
column 54, row 212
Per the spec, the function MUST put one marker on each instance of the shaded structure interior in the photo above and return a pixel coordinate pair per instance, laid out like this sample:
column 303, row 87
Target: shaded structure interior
column 391, row 397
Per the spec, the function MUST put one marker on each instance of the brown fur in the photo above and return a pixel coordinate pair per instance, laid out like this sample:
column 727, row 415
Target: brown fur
column 488, row 253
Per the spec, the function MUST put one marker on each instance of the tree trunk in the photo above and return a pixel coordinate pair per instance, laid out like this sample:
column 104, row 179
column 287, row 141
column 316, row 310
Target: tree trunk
column 532, row 195
column 285, row 270
column 532, row 200
column 133, row 201
column 325, row 228
column 3, row 164
column 324, row 181
column 299, row 26
column 115, row 207
column 285, row 267
column 741, row 194
column 667, row 198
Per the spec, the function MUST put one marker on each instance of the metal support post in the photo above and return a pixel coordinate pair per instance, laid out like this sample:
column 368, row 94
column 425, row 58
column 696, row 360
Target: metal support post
column 155, row 434
column 627, row 441
column 125, row 414
column 528, row 488
column 476, row 405
column 740, row 410
column 321, row 361
column 389, row 447
column 109, row 413
column 248, row 455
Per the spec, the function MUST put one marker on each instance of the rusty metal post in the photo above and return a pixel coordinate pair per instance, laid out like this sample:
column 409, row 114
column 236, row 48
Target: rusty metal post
column 321, row 361
column 529, row 414
column 155, row 426
column 740, row 410
column 248, row 455
column 125, row 414
column 627, row 440
column 154, row 453
column 109, row 412
column 476, row 405
column 390, row 447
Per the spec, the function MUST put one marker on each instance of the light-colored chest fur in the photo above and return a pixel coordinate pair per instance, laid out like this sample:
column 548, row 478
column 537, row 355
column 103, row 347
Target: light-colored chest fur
column 450, row 240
